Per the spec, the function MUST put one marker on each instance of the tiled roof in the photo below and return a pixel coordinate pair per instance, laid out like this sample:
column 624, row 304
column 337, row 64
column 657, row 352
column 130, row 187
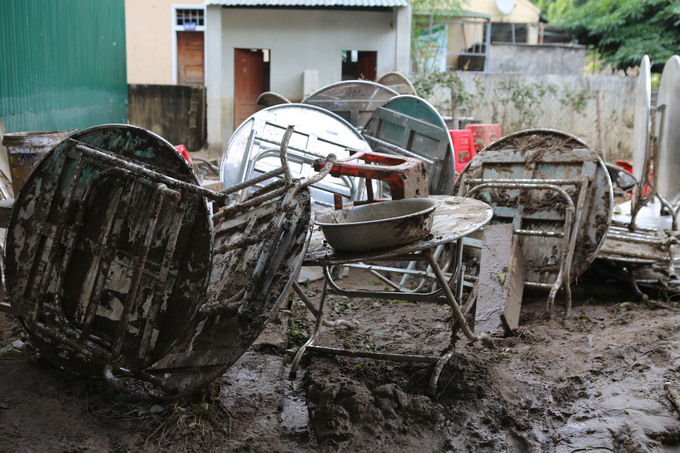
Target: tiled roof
column 310, row 3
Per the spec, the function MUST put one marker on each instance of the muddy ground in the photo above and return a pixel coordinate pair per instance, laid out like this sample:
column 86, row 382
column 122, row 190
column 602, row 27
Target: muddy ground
column 599, row 381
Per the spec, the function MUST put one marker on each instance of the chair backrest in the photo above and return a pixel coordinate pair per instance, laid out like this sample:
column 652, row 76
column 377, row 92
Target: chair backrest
column 410, row 126
column 463, row 147
column 484, row 134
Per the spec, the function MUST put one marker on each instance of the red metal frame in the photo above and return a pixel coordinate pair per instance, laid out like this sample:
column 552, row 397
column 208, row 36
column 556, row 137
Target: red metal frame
column 406, row 176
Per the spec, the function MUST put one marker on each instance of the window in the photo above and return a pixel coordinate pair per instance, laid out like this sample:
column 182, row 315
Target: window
column 189, row 19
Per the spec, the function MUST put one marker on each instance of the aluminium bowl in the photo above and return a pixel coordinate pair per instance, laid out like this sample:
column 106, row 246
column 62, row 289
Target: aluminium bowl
column 378, row 225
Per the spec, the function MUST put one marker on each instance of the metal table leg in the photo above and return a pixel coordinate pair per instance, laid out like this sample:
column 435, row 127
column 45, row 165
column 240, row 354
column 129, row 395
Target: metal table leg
column 439, row 361
column 317, row 325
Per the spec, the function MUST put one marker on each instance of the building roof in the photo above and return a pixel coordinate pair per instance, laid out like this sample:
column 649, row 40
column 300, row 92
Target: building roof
column 311, row 3
column 453, row 13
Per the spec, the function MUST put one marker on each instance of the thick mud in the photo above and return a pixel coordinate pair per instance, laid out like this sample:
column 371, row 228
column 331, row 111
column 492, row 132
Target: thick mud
column 599, row 381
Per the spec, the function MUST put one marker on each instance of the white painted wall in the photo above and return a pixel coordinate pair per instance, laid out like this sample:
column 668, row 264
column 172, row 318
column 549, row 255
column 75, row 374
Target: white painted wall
column 298, row 40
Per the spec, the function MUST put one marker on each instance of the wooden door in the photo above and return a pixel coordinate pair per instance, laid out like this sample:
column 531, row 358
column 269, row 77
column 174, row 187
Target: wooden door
column 367, row 66
column 249, row 82
column 190, row 59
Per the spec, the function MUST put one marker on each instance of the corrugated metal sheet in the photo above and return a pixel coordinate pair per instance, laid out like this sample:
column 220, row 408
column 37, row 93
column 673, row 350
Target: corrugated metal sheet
column 451, row 14
column 311, row 3
column 62, row 64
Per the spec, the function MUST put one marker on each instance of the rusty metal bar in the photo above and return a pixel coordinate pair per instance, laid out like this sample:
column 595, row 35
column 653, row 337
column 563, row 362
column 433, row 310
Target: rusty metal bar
column 674, row 210
column 306, row 300
column 512, row 184
column 569, row 234
column 137, row 274
column 139, row 170
column 290, row 192
column 640, row 239
column 310, row 306
column 302, row 151
column 112, row 234
column 287, row 175
column 162, row 285
column 253, row 181
column 58, row 238
column 92, row 351
column 230, row 305
column 434, row 296
column 573, row 232
column 547, row 234
column 555, row 182
column 315, row 331
column 256, row 201
column 451, row 300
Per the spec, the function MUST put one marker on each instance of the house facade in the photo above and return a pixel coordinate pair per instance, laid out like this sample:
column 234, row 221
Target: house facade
column 294, row 47
column 461, row 38
column 165, row 42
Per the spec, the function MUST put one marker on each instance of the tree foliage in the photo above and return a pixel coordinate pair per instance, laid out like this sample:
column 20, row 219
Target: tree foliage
column 427, row 15
column 622, row 31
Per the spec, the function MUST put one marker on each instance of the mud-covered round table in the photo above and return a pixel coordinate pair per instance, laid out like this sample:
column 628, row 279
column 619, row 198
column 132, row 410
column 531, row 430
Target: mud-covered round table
column 454, row 219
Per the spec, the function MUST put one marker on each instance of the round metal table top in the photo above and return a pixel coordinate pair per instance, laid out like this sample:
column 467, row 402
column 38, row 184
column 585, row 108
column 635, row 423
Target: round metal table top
column 546, row 154
column 411, row 126
column 642, row 125
column 398, row 82
column 254, row 147
column 353, row 100
column 454, row 218
column 667, row 154
column 78, row 234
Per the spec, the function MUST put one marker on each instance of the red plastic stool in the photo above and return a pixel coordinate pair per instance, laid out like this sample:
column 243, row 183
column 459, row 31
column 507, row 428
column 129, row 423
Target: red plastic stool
column 463, row 147
column 484, row 134
column 183, row 151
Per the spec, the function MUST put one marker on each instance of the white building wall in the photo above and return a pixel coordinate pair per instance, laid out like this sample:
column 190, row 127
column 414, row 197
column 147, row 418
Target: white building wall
column 298, row 40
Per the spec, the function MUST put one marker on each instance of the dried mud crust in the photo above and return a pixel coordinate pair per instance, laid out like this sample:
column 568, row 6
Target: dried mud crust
column 594, row 382
column 542, row 140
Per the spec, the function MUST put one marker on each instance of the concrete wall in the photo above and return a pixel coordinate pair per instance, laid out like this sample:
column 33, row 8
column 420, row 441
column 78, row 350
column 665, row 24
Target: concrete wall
column 537, row 59
column 150, row 40
column 597, row 109
column 298, row 40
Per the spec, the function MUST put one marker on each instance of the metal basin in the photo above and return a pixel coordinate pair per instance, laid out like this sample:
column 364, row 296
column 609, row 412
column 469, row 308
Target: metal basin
column 378, row 225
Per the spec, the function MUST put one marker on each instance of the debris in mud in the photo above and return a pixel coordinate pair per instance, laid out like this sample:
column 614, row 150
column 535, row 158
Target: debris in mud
column 196, row 296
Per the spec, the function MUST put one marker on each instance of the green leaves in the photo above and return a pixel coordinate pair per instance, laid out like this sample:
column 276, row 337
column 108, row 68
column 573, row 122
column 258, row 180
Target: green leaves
column 622, row 31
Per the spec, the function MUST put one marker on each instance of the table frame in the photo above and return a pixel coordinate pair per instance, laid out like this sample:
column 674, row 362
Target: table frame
column 455, row 218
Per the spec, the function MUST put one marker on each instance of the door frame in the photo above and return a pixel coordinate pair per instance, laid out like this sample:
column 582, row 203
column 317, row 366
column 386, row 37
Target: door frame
column 174, row 28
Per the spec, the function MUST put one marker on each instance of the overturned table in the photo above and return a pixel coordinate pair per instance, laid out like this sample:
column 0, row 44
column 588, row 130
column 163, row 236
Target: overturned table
column 454, row 218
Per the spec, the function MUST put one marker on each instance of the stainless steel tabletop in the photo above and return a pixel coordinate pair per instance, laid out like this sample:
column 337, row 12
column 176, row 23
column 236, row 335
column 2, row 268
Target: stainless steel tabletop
column 454, row 218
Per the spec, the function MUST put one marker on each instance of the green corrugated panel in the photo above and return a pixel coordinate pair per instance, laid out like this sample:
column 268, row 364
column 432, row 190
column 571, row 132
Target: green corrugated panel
column 62, row 64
